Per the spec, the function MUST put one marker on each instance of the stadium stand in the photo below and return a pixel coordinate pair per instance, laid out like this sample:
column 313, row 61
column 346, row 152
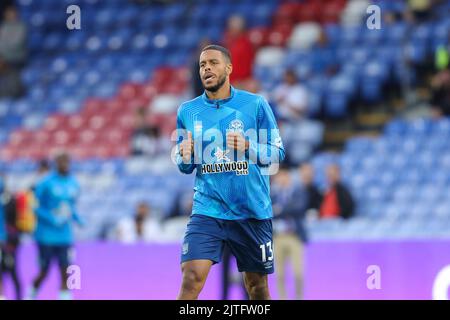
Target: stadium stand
column 85, row 86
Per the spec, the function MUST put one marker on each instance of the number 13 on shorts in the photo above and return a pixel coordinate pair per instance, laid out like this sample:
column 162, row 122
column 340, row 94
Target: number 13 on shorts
column 264, row 248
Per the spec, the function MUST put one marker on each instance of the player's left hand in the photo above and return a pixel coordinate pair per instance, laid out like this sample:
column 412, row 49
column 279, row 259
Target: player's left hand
column 236, row 140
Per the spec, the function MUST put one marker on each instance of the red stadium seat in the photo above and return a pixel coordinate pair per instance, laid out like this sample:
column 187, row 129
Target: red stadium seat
column 86, row 137
column 258, row 36
column 148, row 91
column 20, row 138
column 76, row 121
column 286, row 12
column 135, row 104
column 120, row 150
column 60, row 138
column 182, row 75
column 174, row 88
column 126, row 122
column 35, row 152
column 114, row 104
column 79, row 152
column 279, row 35
column 331, row 12
column 93, row 106
column 55, row 122
column 129, row 90
column 41, row 137
column 309, row 11
column 97, row 122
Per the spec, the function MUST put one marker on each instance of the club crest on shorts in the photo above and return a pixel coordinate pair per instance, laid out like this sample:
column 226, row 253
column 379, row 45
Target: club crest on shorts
column 185, row 248
column 236, row 125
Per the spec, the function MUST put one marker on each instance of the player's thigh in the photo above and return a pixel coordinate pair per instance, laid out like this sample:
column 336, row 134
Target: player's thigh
column 251, row 243
column 196, row 270
column 256, row 279
column 203, row 240
column 45, row 255
column 8, row 261
column 64, row 255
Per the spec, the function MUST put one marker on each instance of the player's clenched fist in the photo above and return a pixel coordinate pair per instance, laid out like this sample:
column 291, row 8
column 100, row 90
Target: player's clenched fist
column 236, row 140
column 187, row 148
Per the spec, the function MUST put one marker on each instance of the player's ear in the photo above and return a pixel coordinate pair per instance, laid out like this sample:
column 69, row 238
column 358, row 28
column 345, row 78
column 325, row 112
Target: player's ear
column 229, row 68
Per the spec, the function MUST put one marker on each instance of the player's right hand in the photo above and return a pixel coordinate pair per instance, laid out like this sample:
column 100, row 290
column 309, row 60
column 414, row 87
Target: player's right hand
column 187, row 148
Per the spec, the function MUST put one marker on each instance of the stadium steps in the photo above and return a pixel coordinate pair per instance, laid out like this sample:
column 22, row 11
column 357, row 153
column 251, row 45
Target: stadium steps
column 336, row 134
column 371, row 121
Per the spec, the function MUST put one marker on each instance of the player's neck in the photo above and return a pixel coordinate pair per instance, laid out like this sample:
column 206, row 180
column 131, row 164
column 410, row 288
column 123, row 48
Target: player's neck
column 223, row 93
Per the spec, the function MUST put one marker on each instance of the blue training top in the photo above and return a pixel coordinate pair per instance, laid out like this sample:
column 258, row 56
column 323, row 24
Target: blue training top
column 56, row 195
column 229, row 185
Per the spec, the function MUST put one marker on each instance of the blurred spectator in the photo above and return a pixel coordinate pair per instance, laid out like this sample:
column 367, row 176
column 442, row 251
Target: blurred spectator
column 442, row 57
column 291, row 203
column 146, row 139
column 13, row 53
column 182, row 204
column 337, row 200
column 3, row 5
column 291, row 98
column 140, row 227
column 10, row 81
column 440, row 96
column 306, row 173
column 241, row 50
column 420, row 9
column 2, row 236
column 13, row 42
column 301, row 136
column 253, row 86
column 197, row 85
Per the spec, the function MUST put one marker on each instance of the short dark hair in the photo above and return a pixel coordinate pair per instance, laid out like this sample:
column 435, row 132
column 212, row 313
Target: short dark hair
column 44, row 164
column 225, row 51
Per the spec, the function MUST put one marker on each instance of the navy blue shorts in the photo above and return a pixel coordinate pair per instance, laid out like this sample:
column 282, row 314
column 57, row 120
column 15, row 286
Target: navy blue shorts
column 62, row 254
column 249, row 240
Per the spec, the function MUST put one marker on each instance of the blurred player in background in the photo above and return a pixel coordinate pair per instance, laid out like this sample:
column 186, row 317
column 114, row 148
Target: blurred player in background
column 56, row 194
column 43, row 168
column 231, row 202
column 2, row 235
column 13, row 226
column 291, row 203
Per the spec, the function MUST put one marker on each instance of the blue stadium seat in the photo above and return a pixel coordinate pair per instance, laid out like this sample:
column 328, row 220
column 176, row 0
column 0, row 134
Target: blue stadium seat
column 340, row 92
column 375, row 74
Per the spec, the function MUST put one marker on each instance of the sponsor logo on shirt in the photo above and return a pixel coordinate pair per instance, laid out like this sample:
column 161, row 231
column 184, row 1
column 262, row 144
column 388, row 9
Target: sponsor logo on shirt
column 225, row 164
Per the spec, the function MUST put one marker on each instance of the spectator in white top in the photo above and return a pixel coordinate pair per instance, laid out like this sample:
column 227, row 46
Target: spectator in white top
column 291, row 98
column 141, row 227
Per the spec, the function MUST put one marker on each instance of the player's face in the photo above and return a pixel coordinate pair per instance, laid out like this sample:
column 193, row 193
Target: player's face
column 307, row 173
column 143, row 211
column 214, row 69
column 63, row 164
column 333, row 174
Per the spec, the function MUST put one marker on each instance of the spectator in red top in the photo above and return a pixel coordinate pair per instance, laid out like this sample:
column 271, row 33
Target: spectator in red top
column 241, row 49
column 337, row 200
